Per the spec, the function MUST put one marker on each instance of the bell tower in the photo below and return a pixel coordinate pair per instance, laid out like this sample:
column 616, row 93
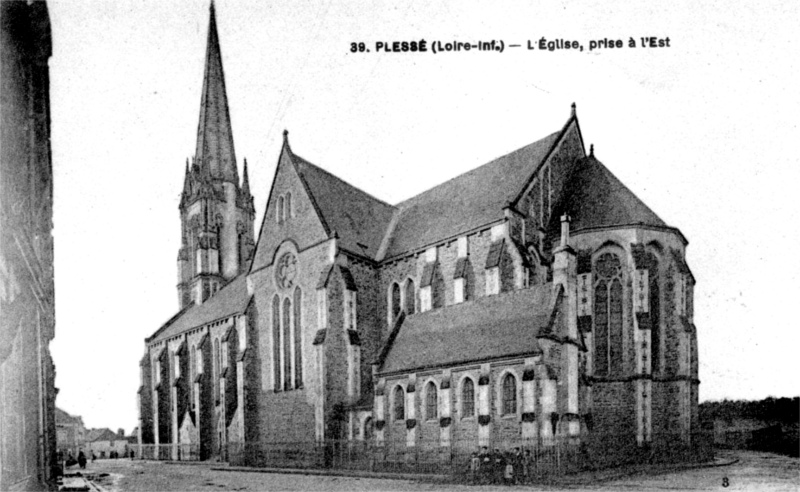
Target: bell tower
column 217, row 212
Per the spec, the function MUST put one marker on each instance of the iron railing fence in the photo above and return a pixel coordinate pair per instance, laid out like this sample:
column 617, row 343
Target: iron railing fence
column 459, row 459
column 534, row 461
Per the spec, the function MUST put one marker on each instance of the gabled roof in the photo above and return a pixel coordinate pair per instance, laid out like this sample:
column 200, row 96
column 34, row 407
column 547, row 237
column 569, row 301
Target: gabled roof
column 231, row 299
column 104, row 434
column 468, row 201
column 490, row 327
column 359, row 219
column 594, row 197
column 63, row 417
column 215, row 153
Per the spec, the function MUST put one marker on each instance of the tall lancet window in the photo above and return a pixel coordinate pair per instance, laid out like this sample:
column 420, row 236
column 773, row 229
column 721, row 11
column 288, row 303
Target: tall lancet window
column 394, row 301
column 276, row 343
column 399, row 403
column 287, row 347
column 411, row 297
column 431, row 402
column 217, row 362
column 468, row 398
column 509, row 394
column 655, row 312
column 608, row 315
column 298, row 339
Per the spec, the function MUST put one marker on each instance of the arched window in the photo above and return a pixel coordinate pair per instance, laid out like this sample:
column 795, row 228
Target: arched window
column 368, row 429
column 655, row 312
column 192, row 373
column 395, row 300
column 509, row 394
column 608, row 315
column 217, row 362
column 280, row 210
column 431, row 401
column 411, row 298
column 298, row 339
column 287, row 347
column 437, row 288
column 276, row 342
column 468, row 398
column 399, row 403
column 288, row 205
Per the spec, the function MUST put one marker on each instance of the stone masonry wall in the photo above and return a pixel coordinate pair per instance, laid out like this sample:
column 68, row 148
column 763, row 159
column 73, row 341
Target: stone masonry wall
column 370, row 328
column 146, row 401
column 335, row 349
column 506, row 430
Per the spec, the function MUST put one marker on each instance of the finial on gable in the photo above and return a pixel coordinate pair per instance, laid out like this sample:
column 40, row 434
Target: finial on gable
column 573, row 109
column 565, row 220
column 591, row 150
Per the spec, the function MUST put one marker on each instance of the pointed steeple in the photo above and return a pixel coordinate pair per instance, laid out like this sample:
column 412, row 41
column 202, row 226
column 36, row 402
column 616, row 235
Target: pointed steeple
column 215, row 153
column 244, row 199
column 186, row 178
column 245, row 181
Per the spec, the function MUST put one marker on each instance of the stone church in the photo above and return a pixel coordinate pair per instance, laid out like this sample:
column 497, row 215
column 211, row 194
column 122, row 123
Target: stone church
column 532, row 300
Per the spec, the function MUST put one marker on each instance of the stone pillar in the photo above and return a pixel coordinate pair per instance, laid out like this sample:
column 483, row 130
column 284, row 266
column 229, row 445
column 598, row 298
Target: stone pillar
column 411, row 411
column 174, row 423
column 222, row 418
column 642, row 347
column 565, row 274
column 548, row 405
column 240, row 387
column 319, row 407
column 380, row 409
column 445, row 410
column 156, row 437
column 484, row 407
column 529, row 430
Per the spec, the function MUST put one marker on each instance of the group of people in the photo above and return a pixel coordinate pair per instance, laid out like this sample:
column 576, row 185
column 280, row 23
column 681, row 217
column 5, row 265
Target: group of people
column 496, row 467
column 72, row 461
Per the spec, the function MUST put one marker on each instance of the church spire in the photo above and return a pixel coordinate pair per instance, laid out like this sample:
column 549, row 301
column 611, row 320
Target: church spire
column 215, row 153
column 245, row 181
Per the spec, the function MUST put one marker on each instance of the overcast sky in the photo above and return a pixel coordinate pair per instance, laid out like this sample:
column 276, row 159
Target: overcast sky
column 704, row 132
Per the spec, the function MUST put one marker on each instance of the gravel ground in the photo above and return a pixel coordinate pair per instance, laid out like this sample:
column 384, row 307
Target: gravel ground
column 753, row 471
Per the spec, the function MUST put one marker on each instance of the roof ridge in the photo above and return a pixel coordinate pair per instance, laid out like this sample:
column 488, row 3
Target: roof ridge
column 191, row 306
column 466, row 173
column 330, row 174
column 306, row 187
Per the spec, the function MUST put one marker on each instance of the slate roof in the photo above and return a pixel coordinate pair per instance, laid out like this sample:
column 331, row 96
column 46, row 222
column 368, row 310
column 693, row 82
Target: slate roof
column 358, row 218
column 63, row 417
column 104, row 434
column 489, row 327
column 594, row 197
column 467, row 201
column 231, row 299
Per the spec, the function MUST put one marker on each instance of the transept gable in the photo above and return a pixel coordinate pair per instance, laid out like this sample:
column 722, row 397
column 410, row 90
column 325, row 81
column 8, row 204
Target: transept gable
column 291, row 213
column 565, row 149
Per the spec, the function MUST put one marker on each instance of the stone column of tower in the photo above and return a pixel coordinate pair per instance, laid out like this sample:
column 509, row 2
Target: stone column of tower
column 216, row 212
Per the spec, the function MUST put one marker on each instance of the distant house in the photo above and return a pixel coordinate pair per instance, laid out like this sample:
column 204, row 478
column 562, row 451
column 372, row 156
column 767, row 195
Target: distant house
column 70, row 433
column 102, row 442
